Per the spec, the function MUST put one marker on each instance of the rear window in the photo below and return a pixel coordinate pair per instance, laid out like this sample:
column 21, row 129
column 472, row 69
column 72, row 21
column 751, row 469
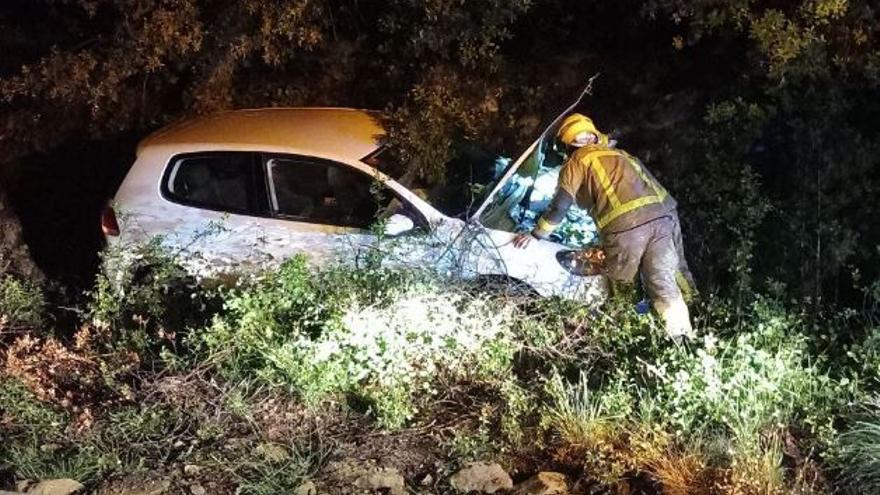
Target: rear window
column 216, row 181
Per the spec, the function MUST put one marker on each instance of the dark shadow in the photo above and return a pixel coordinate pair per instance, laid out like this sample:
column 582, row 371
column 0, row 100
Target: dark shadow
column 58, row 196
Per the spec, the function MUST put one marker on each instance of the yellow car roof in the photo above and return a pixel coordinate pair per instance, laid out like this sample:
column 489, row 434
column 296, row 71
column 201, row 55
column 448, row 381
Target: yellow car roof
column 341, row 132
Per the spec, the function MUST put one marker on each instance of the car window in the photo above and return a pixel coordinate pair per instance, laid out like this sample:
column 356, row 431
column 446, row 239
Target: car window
column 323, row 192
column 217, row 181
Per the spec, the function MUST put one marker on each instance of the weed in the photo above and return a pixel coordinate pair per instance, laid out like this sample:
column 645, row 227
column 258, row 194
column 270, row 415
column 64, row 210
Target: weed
column 282, row 472
column 857, row 455
column 22, row 304
column 478, row 445
column 22, row 412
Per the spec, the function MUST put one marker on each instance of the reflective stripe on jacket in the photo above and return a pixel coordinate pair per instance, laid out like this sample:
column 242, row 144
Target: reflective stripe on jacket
column 617, row 190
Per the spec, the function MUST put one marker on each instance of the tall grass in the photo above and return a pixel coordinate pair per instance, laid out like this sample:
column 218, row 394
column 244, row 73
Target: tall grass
column 858, row 457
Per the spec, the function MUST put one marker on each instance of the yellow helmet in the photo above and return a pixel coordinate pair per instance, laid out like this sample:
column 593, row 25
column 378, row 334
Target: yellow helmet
column 577, row 123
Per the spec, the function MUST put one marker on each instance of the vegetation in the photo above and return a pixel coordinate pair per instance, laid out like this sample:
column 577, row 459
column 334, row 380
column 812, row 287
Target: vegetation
column 757, row 404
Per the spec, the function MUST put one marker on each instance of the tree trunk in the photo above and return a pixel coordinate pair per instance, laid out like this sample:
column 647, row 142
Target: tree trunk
column 14, row 256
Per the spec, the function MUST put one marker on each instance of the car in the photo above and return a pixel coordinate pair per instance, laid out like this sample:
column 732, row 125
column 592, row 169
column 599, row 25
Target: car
column 246, row 189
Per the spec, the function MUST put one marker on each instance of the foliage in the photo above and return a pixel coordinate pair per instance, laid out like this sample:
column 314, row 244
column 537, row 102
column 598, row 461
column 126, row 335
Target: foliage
column 147, row 301
column 792, row 139
column 599, row 389
column 318, row 335
column 773, row 157
column 719, row 406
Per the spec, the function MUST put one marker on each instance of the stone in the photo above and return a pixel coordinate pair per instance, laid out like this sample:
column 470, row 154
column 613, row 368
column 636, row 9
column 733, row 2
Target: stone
column 307, row 488
column 544, row 483
column 191, row 469
column 481, row 477
column 383, row 479
column 197, row 489
column 56, row 487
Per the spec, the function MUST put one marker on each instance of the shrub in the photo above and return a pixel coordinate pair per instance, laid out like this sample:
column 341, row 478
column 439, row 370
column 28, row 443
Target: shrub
column 711, row 411
column 147, row 300
column 297, row 329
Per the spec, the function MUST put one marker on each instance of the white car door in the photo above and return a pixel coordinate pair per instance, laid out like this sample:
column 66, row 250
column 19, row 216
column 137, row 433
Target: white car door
column 323, row 209
column 210, row 210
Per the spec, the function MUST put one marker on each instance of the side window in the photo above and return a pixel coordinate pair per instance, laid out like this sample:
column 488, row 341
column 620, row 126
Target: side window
column 216, row 181
column 321, row 192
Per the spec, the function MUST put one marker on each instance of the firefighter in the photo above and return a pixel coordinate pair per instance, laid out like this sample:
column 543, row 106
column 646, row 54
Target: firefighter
column 637, row 220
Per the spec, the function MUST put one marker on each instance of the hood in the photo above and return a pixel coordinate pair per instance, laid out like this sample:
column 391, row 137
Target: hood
column 514, row 166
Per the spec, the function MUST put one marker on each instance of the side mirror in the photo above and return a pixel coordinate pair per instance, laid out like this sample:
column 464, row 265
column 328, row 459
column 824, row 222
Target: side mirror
column 398, row 224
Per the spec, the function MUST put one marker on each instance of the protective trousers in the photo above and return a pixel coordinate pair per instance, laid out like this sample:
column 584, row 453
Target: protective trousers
column 655, row 250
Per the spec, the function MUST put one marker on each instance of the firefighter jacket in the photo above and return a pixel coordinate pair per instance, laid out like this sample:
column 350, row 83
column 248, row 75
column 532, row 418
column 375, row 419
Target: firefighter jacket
column 617, row 190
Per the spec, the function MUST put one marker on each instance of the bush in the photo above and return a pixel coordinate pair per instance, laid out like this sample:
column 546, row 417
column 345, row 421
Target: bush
column 320, row 334
column 721, row 404
column 147, row 300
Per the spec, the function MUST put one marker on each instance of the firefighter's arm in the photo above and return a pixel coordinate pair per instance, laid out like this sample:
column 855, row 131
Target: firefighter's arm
column 549, row 220
column 554, row 215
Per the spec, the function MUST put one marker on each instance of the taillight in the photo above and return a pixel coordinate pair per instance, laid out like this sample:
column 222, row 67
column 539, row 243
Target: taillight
column 109, row 225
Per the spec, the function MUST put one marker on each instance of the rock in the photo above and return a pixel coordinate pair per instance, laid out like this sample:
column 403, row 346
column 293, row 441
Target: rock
column 481, row 477
column 197, row 489
column 307, row 488
column 383, row 479
column 191, row 469
column 545, row 483
column 22, row 486
column 56, row 487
